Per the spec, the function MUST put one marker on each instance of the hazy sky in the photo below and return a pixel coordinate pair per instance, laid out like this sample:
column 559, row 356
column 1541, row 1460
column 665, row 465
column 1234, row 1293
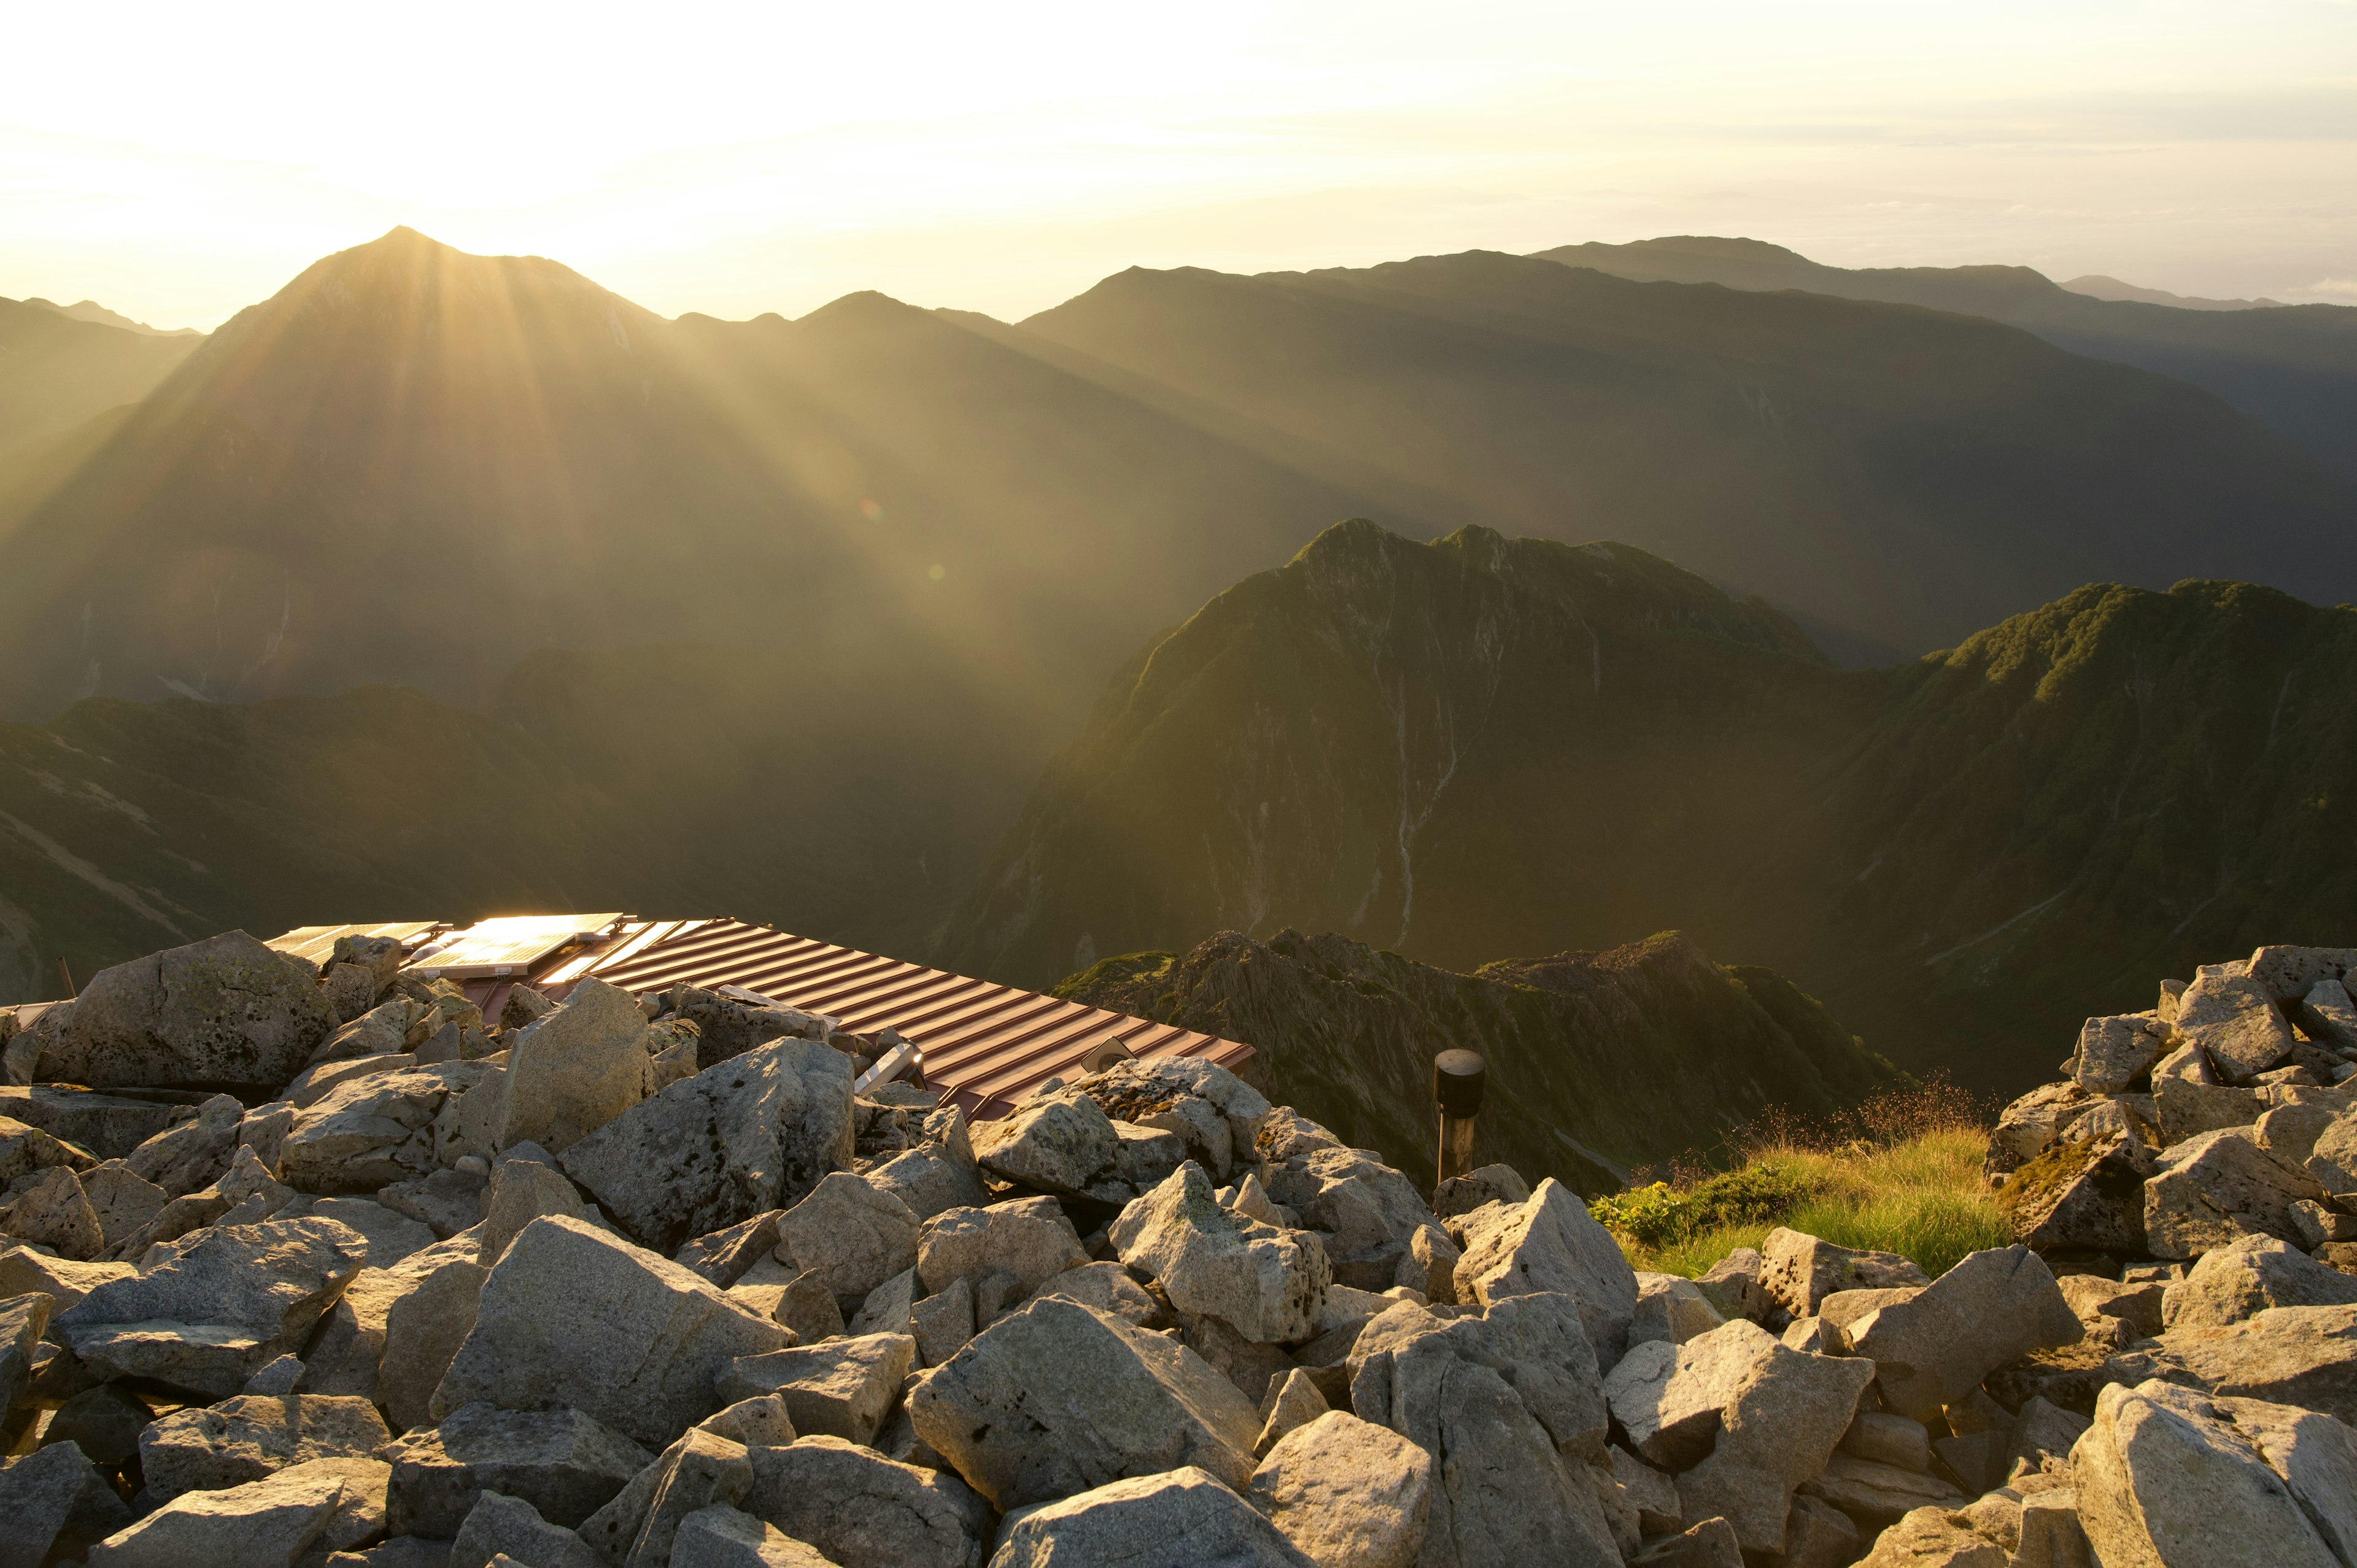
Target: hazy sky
column 178, row 162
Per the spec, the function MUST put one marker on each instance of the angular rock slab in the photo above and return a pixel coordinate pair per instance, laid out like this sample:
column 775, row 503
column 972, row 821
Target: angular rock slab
column 1350, row 1493
column 2087, row 1195
column 1933, row 1348
column 226, row 1010
column 253, row 1436
column 1549, row 1244
column 973, row 1244
column 372, row 1130
column 843, row 1386
column 2115, row 1052
column 1667, row 1397
column 854, row 1235
column 755, row 1133
column 1377, row 1231
column 719, row 1536
column 1056, row 1398
column 863, row 1510
column 1799, row 1271
column 1268, row 1284
column 1056, row 1143
column 2164, row 1475
column 2241, row 1281
column 576, row 1317
column 263, row 1524
column 209, row 1316
column 2304, row 1355
column 1183, row 1519
column 504, row 1524
column 54, row 1499
column 1778, row 1431
column 576, row 1068
column 565, row 1464
column 2215, row 1186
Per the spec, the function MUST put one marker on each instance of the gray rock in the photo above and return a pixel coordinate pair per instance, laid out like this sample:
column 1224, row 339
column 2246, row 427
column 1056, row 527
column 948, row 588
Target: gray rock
column 700, row 1469
column 575, row 1069
column 1933, row 1348
column 2192, row 1099
column 1673, row 1309
column 1549, row 1244
column 1109, row 1287
column 1935, row 1537
column 104, row 1422
column 1876, row 1495
column 345, row 1351
column 845, row 1387
column 761, row 1422
column 2217, row 1186
column 2304, row 1355
column 54, row 1499
column 123, row 1201
column 1733, row 1286
column 721, row 1537
column 807, row 1308
column 1348, row 1494
column 55, row 1212
column 423, row 1332
column 1898, row 1441
column 1144, row 1157
column 391, row 1236
column 250, row 1436
column 108, row 1125
column 1370, row 1219
column 2235, row 1023
column 942, row 1323
column 938, row 1174
column 565, row 1464
column 753, row 1133
column 2042, row 1432
column 524, row 1188
column 1055, row 1398
column 973, row 1243
column 2328, row 1017
column 1184, row 1518
column 1667, row 1396
column 1058, row 1142
column 576, row 1317
column 854, row 1236
column 2168, row 1475
column 724, row 1256
column 445, row 1201
column 1249, row 1364
column 1654, row 1495
column 2115, row 1052
column 1214, row 1113
column 2036, row 1123
column 1710, row 1544
column 217, row 1309
column 499, row 1524
column 278, row 1377
column 2247, row 1277
column 2098, row 1206
column 1295, row 1401
column 226, row 1010
column 401, row 1552
column 2318, row 1226
column 1819, row 1535
column 189, row 1155
column 390, row 1029
column 1798, row 1271
column 890, row 1309
column 263, row 1524
column 2332, row 1157
column 863, row 1510
column 372, row 1130
column 1268, row 1284
column 1485, row 1184
column 1778, row 1430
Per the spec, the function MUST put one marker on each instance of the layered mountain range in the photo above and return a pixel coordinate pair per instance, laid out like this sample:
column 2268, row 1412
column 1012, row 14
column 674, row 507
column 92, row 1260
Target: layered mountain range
column 468, row 585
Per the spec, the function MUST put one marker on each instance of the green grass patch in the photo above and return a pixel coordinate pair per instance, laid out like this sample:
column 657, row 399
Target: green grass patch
column 1910, row 1184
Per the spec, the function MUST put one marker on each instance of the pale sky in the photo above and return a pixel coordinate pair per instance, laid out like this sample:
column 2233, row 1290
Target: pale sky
column 177, row 162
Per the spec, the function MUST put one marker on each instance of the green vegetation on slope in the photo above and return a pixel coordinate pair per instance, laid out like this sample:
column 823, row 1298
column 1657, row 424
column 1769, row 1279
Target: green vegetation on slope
column 1910, row 1184
column 1598, row 1062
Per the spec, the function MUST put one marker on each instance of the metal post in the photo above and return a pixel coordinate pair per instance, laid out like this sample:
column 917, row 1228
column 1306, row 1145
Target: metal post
column 1456, row 1081
column 67, row 975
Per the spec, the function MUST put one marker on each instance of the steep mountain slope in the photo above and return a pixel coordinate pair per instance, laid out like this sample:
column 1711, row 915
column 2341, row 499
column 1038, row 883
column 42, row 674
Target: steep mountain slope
column 2293, row 367
column 680, row 779
column 1482, row 746
column 1458, row 749
column 57, row 370
column 416, row 465
column 1598, row 1062
column 90, row 310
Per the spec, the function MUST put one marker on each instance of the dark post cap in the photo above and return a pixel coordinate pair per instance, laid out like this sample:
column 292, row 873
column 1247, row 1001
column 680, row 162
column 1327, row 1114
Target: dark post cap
column 1457, row 1078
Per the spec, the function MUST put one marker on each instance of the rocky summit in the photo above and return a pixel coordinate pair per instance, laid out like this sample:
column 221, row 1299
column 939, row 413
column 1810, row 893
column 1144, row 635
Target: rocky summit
column 323, row 1267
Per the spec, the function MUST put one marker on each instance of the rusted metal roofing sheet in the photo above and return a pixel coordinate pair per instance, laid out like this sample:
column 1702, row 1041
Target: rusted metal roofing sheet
column 989, row 1044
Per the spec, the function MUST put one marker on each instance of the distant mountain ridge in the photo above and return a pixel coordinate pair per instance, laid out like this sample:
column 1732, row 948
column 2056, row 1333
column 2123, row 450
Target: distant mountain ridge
column 90, row 310
column 1607, row 1060
column 1961, row 856
column 2292, row 367
column 58, row 371
column 2097, row 286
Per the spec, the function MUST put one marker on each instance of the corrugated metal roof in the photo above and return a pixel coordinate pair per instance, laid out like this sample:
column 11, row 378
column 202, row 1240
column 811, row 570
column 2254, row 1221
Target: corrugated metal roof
column 987, row 1044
